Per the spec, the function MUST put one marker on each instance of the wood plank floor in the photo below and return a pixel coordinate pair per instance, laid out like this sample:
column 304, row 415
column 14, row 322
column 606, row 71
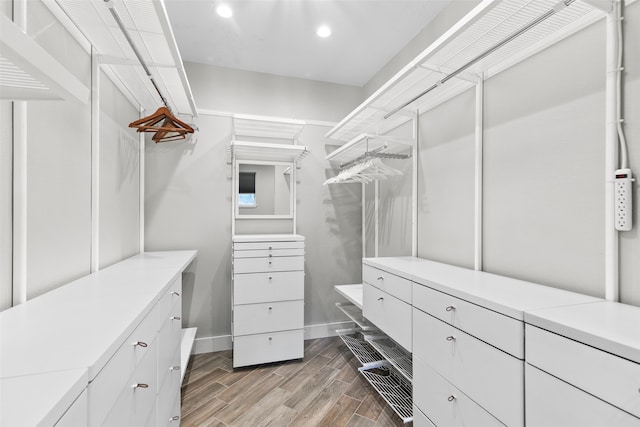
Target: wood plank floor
column 324, row 389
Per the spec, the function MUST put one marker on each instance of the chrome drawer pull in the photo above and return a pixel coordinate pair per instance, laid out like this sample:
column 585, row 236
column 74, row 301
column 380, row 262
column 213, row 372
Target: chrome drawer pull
column 141, row 344
column 380, row 299
column 270, row 338
column 451, row 338
column 270, row 255
column 451, row 398
column 175, row 318
column 450, row 308
column 175, row 293
column 381, row 278
column 270, row 278
column 270, row 308
column 174, row 368
column 269, row 262
column 270, row 248
column 140, row 385
column 174, row 418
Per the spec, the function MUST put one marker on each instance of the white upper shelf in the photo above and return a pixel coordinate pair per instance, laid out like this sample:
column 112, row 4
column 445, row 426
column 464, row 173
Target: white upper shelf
column 148, row 24
column 266, row 127
column 491, row 22
column 27, row 71
column 365, row 143
column 265, row 152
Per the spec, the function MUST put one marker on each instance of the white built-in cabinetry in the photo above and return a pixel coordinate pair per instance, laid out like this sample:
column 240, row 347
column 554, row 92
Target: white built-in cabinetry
column 268, row 298
column 104, row 350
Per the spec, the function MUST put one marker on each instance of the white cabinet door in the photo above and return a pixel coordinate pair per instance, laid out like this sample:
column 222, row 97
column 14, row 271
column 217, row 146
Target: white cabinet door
column 554, row 403
column 388, row 313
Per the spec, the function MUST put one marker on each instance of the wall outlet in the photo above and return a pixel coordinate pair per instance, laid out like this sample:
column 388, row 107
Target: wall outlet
column 623, row 199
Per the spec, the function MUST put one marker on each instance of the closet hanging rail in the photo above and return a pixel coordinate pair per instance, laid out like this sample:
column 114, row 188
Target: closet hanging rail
column 163, row 123
column 558, row 7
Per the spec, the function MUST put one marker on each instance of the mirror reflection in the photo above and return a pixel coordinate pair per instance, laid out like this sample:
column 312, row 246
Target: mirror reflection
column 264, row 190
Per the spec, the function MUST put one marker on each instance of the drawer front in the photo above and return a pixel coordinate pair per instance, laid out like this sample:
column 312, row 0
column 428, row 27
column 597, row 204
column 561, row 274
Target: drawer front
column 169, row 390
column 77, row 414
column 253, row 246
column 168, row 342
column 268, row 317
column 153, row 418
column 388, row 313
column 264, row 287
column 608, row 377
column 262, row 265
column 443, row 403
column 175, row 418
column 268, row 253
column 420, row 419
column 265, row 348
column 108, row 384
column 135, row 404
column 497, row 329
column 394, row 285
column 171, row 298
column 554, row 403
column 492, row 378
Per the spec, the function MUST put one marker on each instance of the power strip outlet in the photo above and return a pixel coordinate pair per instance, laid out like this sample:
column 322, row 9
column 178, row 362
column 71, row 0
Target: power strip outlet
column 623, row 200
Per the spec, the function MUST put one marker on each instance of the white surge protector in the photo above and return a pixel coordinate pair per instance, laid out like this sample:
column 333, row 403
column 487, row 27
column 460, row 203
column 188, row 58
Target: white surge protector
column 623, row 201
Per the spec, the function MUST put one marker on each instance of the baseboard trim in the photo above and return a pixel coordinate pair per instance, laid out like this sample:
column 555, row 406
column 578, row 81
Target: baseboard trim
column 223, row 342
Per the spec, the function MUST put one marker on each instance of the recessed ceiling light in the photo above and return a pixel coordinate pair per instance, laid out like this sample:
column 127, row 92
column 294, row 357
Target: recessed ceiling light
column 224, row 11
column 323, row 31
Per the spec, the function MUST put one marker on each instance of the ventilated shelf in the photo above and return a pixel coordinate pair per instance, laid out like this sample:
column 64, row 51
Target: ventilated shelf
column 361, row 349
column 365, row 143
column 355, row 314
column 148, row 24
column 394, row 389
column 264, row 151
column 464, row 46
column 399, row 358
column 29, row 72
column 267, row 127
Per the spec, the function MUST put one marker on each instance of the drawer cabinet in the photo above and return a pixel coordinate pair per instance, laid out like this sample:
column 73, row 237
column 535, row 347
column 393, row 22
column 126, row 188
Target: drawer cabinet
column 268, row 299
column 490, row 377
column 390, row 314
column 552, row 402
column 390, row 283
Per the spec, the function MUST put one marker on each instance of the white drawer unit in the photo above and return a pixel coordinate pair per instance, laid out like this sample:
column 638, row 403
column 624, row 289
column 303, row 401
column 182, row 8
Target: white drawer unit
column 390, row 314
column 420, row 419
column 554, row 403
column 446, row 405
column 589, row 353
column 392, row 284
column 489, row 376
column 268, row 298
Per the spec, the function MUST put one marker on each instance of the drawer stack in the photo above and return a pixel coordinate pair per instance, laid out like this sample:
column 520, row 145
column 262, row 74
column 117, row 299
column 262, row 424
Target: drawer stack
column 268, row 298
column 467, row 362
column 140, row 385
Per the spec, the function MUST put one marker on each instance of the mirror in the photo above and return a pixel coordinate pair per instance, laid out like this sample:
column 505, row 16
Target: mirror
column 264, row 190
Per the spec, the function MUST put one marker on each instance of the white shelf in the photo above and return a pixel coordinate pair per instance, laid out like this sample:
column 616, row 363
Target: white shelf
column 262, row 151
column 186, row 345
column 267, row 127
column 394, row 389
column 148, row 24
column 487, row 24
column 28, row 72
column 353, row 293
column 364, row 143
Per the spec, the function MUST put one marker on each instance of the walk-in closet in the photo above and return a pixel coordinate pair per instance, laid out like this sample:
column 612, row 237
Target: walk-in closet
column 319, row 213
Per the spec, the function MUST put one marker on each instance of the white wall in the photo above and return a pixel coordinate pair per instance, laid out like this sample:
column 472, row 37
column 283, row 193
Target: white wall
column 54, row 140
column 188, row 195
column 543, row 169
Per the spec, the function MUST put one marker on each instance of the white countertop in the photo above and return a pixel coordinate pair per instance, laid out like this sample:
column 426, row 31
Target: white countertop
column 608, row 326
column 240, row 238
column 41, row 399
column 511, row 297
column 68, row 335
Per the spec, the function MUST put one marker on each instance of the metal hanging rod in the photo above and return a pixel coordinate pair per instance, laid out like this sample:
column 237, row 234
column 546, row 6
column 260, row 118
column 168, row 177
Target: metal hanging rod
column 555, row 9
column 118, row 20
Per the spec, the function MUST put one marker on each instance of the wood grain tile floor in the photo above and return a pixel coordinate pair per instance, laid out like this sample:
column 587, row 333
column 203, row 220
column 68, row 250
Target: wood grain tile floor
column 324, row 389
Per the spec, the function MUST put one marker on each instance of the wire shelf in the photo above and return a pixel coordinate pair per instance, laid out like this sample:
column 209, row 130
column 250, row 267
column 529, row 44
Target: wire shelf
column 399, row 358
column 355, row 314
column 394, row 389
column 361, row 349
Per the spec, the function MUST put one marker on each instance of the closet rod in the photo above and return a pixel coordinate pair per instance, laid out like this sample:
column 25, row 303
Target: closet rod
column 558, row 7
column 116, row 16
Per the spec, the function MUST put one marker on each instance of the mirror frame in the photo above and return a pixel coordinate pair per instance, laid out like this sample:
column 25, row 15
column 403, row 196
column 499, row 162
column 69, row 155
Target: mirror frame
column 236, row 189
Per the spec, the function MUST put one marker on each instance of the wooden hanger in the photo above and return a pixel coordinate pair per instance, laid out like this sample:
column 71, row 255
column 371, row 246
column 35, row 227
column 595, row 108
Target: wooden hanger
column 170, row 129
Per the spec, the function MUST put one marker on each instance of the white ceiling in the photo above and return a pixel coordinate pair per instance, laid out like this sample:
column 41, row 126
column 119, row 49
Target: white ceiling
column 279, row 36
